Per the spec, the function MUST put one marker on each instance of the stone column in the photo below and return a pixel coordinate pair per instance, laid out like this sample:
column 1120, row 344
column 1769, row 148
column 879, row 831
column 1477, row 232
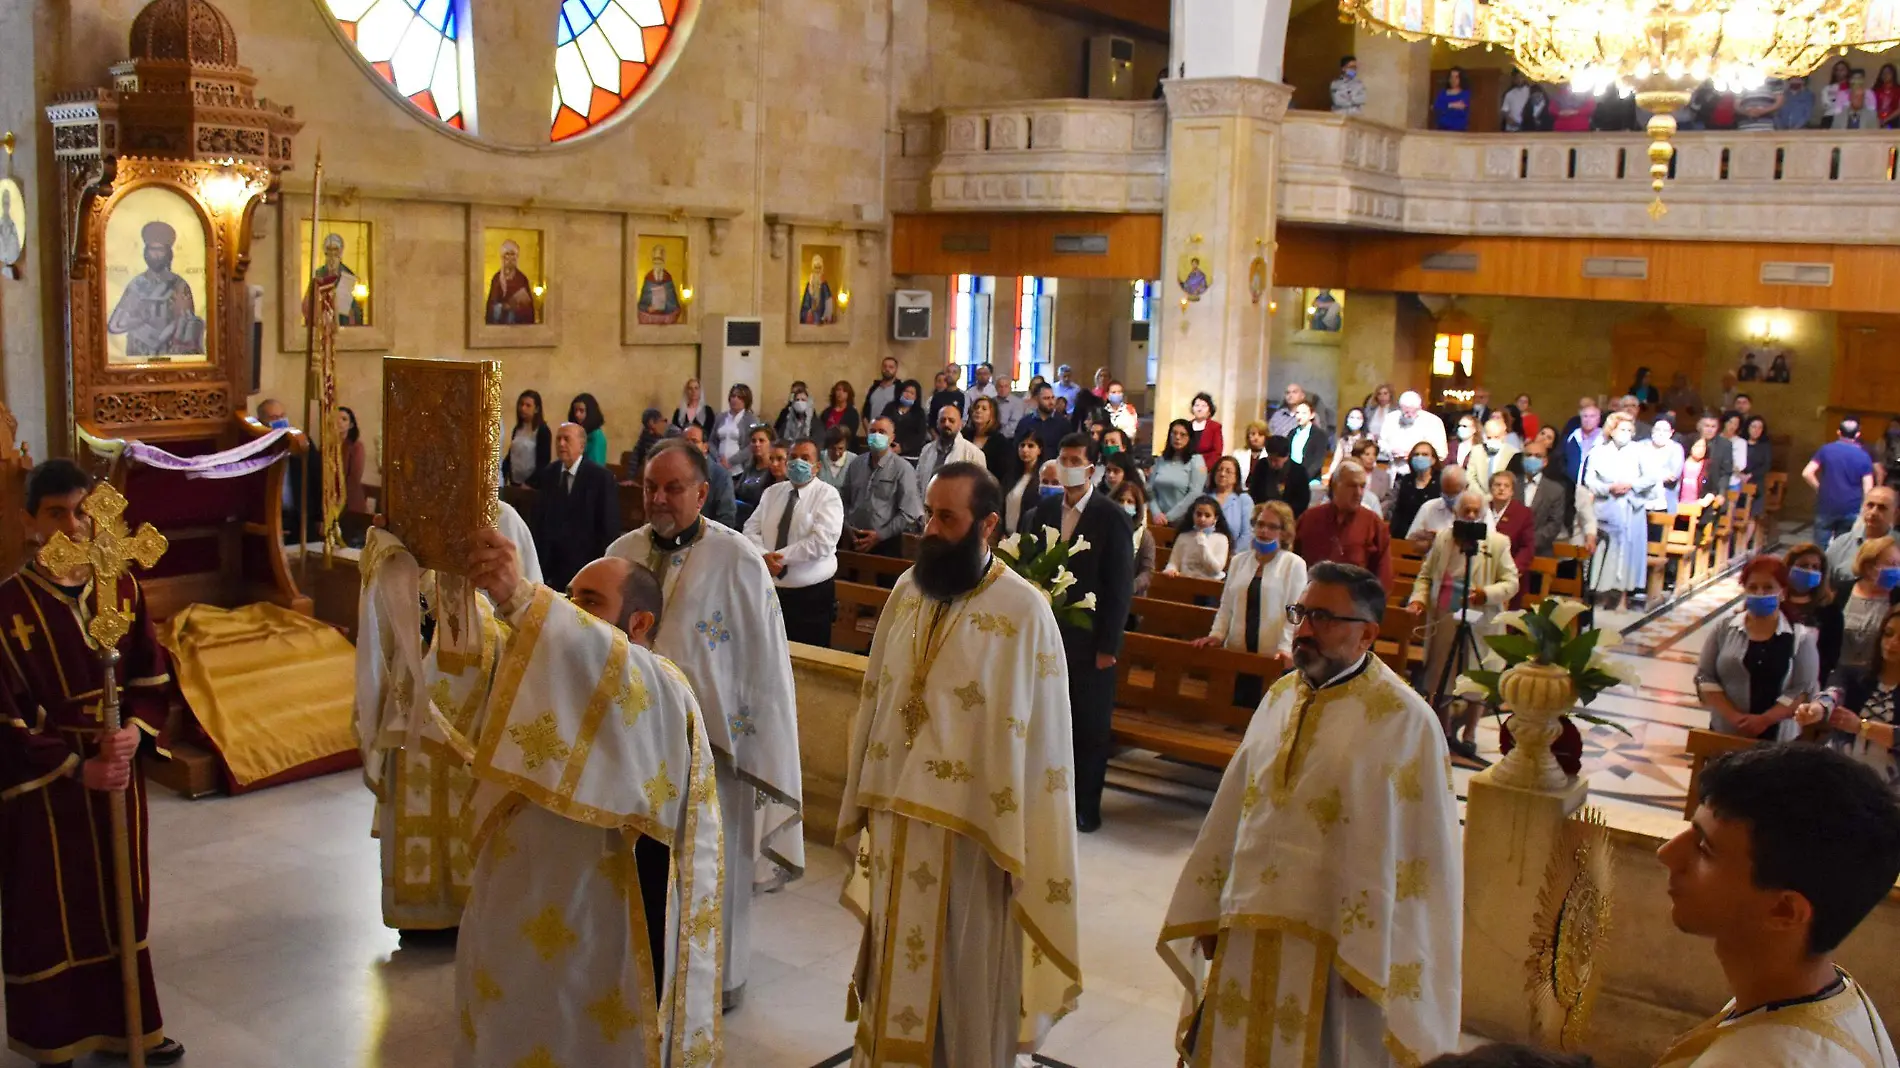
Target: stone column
column 32, row 307
column 1398, row 77
column 1223, row 188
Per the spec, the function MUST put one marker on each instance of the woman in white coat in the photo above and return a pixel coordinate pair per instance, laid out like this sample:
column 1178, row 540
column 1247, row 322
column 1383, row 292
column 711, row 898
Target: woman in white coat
column 1439, row 593
column 1263, row 577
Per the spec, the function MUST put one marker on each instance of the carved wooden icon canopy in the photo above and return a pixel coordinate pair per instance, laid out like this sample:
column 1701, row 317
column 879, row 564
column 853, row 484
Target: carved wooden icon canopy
column 161, row 173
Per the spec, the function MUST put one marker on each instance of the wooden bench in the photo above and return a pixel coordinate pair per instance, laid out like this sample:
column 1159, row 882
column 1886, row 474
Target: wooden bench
column 1164, row 535
column 1397, row 643
column 1172, row 619
column 1174, row 699
column 1164, row 587
column 866, row 568
column 1407, row 562
column 856, row 622
column 1703, row 745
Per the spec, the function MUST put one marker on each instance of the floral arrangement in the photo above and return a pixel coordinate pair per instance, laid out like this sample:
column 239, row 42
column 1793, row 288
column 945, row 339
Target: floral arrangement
column 1043, row 561
column 1547, row 635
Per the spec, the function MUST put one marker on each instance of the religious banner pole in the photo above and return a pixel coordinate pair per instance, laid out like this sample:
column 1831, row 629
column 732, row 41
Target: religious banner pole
column 105, row 556
column 310, row 315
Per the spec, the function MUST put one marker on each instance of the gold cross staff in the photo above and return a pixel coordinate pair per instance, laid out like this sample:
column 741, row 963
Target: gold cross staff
column 106, row 556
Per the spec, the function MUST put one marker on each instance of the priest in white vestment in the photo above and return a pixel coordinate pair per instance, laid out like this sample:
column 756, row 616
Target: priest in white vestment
column 959, row 806
column 426, row 861
column 584, row 748
column 1790, row 848
column 722, row 627
column 1319, row 919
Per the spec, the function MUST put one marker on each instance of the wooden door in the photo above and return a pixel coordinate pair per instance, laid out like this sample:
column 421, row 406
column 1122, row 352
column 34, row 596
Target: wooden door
column 1867, row 374
column 1661, row 344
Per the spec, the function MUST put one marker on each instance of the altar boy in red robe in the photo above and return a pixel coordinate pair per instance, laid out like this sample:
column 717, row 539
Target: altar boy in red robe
column 58, row 927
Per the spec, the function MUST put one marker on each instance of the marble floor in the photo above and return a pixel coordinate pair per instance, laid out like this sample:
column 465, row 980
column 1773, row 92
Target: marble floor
column 271, row 952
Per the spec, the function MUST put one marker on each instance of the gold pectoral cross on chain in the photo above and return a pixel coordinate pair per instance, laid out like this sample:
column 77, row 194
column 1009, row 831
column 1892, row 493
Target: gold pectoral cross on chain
column 914, row 713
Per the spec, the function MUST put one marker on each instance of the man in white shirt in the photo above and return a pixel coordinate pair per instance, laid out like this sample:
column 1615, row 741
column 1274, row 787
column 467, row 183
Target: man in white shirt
column 948, row 447
column 1399, row 432
column 984, row 386
column 1789, row 850
column 796, row 526
column 1436, row 515
column 1065, row 385
column 1511, row 109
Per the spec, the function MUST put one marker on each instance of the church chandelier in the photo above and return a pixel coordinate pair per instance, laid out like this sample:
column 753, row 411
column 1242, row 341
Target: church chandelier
column 1660, row 50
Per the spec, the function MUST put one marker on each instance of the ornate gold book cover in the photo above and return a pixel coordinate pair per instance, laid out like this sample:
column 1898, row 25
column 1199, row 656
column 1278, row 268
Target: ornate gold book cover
column 441, row 455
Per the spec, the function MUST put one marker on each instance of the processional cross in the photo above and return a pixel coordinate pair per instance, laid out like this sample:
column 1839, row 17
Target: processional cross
column 105, row 555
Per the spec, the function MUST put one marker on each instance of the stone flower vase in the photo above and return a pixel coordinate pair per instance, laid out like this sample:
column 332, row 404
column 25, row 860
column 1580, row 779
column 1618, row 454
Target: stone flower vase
column 1539, row 695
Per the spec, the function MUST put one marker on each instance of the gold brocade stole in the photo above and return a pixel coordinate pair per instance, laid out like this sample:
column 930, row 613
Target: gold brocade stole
column 1817, row 1018
column 1265, row 1002
column 897, row 985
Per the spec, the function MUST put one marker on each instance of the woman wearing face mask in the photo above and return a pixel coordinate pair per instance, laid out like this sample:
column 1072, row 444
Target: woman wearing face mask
column 1757, row 667
column 907, row 416
column 1492, row 454
column 1224, row 486
column 1664, row 455
column 1418, row 485
column 1811, row 601
column 1467, row 438
column 1862, row 707
column 1876, row 589
column 796, row 420
column 1620, row 485
column 1202, row 547
column 1263, row 576
column 1352, row 431
column 1024, row 495
column 1121, row 414
column 1115, row 443
column 1178, row 474
column 1134, row 504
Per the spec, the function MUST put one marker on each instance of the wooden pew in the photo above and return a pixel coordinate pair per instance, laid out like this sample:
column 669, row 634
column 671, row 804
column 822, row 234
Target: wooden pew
column 856, row 622
column 1181, row 588
column 866, row 568
column 1407, row 561
column 1703, row 745
column 1172, row 619
column 1174, row 699
column 1397, row 643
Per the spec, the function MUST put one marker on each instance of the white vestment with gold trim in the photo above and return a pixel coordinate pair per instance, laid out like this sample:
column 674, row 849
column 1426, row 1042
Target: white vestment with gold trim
column 426, row 862
column 722, row 627
column 1841, row 1031
column 1329, row 874
column 959, row 797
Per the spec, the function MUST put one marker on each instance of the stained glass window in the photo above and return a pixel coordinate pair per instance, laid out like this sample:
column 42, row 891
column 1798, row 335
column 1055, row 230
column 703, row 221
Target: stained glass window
column 603, row 51
column 1035, row 324
column 415, row 45
column 970, row 319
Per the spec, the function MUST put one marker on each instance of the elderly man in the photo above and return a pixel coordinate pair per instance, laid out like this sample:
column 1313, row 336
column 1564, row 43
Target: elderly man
column 1584, row 439
column 1066, row 386
column 1876, row 521
column 1325, row 885
column 1402, row 431
column 960, row 794
column 983, row 386
column 949, row 446
column 576, row 508
column 1439, row 594
column 721, row 627
column 1343, row 529
column 796, row 526
column 1011, row 406
column 880, row 495
column 1552, row 501
column 1436, row 515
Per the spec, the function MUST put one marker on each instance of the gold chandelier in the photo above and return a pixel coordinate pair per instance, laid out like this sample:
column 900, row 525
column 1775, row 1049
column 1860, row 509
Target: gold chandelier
column 1660, row 50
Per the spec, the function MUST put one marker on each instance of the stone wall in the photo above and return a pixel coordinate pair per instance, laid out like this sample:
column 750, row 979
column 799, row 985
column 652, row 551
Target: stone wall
column 772, row 108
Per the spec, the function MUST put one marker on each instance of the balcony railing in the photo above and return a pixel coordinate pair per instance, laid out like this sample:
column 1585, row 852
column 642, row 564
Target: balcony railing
column 1086, row 155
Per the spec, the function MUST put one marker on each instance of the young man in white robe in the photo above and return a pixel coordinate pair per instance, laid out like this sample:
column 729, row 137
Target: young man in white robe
column 1319, row 917
column 959, row 806
column 426, row 861
column 1791, row 847
column 722, row 627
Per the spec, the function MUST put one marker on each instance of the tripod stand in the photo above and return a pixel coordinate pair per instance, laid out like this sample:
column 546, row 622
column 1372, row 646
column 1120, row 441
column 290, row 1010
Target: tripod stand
column 1463, row 654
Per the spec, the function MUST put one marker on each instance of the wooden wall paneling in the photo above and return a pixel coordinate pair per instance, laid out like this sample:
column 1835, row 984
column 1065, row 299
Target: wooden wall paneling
column 1310, row 256
column 1867, row 366
column 1659, row 343
column 1023, row 244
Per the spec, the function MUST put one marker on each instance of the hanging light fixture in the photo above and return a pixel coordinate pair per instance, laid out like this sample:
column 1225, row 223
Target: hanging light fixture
column 1660, row 50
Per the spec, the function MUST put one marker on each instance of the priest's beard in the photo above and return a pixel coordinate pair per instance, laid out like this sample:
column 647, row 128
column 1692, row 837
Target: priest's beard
column 947, row 569
column 1314, row 663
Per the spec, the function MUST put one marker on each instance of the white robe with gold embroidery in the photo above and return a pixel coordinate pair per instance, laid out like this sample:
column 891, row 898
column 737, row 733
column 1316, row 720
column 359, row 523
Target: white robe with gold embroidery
column 1330, row 859
column 964, row 820
column 722, row 627
column 1843, row 1031
column 426, row 860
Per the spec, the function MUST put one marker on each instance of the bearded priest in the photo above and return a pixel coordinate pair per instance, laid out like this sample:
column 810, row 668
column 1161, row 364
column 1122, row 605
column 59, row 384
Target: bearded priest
column 722, row 627
column 590, row 934
column 1319, row 917
column 960, row 795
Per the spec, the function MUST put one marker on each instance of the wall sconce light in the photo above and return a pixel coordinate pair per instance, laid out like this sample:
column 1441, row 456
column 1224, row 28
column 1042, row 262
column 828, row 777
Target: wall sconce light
column 1273, row 306
column 360, row 292
column 686, row 294
column 540, row 290
column 1184, row 303
column 1766, row 331
column 844, row 298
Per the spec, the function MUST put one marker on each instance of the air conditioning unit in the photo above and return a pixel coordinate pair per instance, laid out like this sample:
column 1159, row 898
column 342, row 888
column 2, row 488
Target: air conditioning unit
column 731, row 351
column 1111, row 68
column 910, row 315
column 1130, row 363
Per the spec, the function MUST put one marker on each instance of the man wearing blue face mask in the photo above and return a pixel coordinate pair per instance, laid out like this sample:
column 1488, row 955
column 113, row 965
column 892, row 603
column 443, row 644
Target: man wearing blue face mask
column 796, row 526
column 881, row 500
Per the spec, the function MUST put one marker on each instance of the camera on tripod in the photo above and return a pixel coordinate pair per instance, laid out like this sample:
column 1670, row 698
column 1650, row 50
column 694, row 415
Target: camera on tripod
column 1469, row 534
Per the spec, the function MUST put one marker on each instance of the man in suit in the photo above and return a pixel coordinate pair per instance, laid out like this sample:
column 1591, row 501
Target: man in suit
column 1549, row 498
column 722, row 505
column 1107, row 570
column 796, row 526
column 576, row 508
column 1280, row 479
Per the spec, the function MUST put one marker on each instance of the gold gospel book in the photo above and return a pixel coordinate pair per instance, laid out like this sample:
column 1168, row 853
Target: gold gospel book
column 441, row 455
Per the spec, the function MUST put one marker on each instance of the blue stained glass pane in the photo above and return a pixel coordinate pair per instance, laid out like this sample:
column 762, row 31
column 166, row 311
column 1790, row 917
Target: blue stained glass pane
column 575, row 18
column 439, row 14
column 563, row 30
column 597, row 6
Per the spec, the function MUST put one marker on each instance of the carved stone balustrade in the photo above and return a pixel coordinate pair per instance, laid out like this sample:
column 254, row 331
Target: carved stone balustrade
column 1034, row 155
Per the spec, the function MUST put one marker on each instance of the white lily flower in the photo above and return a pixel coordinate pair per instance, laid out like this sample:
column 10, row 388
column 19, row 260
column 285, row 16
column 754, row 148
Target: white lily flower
column 1011, row 546
column 1513, row 620
column 1466, row 686
column 1050, row 536
column 1064, row 579
column 1087, row 603
column 1620, row 672
column 1566, row 612
column 1081, row 545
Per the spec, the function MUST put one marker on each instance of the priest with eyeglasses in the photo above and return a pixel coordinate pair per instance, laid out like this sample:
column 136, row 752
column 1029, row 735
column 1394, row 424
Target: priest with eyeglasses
column 1319, row 917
